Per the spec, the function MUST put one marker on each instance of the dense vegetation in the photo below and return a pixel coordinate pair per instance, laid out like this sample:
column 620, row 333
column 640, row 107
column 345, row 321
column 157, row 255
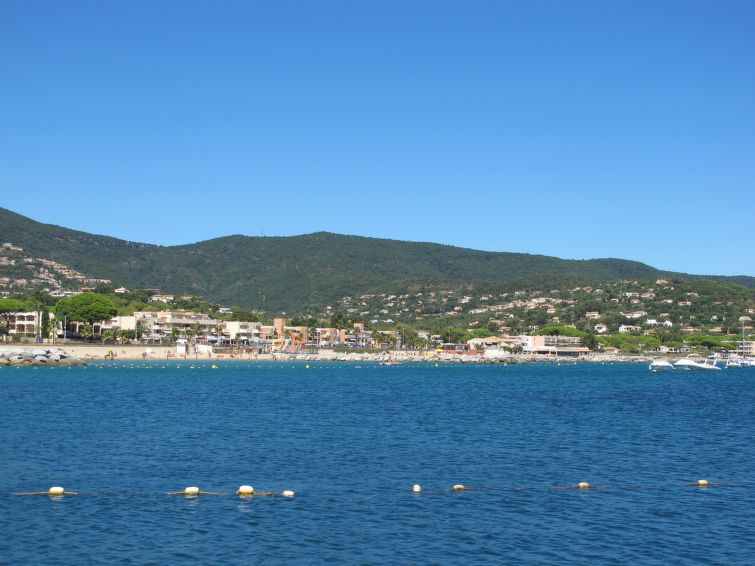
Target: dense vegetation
column 315, row 270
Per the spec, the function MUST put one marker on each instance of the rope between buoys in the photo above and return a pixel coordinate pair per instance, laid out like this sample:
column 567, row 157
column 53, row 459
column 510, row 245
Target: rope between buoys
column 194, row 491
column 47, row 493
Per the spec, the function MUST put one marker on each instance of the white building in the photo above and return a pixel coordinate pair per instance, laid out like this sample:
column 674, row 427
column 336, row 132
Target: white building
column 24, row 324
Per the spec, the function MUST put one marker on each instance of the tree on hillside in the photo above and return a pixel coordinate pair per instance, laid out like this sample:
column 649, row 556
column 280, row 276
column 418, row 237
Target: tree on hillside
column 589, row 340
column 452, row 334
column 554, row 330
column 7, row 308
column 87, row 307
column 478, row 333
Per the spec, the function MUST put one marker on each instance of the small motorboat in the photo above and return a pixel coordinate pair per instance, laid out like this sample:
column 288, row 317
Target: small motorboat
column 657, row 366
column 689, row 365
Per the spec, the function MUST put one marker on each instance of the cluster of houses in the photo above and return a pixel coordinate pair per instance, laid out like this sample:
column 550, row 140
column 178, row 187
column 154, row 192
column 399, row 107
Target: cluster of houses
column 386, row 308
column 43, row 272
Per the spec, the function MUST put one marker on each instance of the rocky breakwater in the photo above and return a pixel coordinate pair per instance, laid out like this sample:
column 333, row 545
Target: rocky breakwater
column 457, row 358
column 37, row 357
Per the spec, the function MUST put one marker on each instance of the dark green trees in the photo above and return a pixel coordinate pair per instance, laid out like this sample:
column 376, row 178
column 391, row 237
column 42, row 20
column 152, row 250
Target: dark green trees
column 87, row 307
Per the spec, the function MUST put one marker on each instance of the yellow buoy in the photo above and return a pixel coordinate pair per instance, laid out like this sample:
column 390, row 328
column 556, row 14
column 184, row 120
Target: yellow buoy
column 416, row 488
column 307, row 366
column 214, row 366
column 57, row 490
column 245, row 490
column 288, row 493
column 583, row 485
column 702, row 482
column 191, row 490
column 458, row 487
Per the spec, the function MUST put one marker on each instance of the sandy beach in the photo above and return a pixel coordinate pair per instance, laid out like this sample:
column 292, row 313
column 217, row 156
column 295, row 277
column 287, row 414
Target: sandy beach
column 136, row 352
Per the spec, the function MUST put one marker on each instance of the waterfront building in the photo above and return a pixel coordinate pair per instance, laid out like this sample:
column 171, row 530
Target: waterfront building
column 554, row 345
column 746, row 348
column 23, row 324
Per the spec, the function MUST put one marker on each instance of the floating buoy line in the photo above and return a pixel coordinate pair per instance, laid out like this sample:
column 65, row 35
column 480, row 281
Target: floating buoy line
column 247, row 491
column 191, row 491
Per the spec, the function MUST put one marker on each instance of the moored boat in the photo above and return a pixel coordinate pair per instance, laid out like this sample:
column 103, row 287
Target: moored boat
column 657, row 366
column 691, row 365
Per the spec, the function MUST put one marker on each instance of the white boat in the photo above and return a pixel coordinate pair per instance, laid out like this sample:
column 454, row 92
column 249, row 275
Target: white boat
column 733, row 364
column 657, row 366
column 691, row 365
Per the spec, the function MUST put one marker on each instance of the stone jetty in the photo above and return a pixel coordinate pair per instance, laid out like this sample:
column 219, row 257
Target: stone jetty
column 37, row 357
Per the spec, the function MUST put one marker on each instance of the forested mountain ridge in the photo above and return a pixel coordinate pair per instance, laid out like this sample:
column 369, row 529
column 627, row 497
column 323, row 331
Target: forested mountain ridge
column 287, row 273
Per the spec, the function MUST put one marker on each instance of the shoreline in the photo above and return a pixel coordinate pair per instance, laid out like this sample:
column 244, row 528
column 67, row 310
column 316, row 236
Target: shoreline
column 88, row 353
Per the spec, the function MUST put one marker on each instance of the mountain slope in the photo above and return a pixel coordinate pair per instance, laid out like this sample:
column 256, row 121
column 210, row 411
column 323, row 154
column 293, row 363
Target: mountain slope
column 283, row 273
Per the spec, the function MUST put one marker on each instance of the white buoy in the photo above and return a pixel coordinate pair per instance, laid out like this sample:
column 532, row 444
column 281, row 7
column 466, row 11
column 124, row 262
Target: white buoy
column 245, row 490
column 416, row 488
column 702, row 482
column 56, row 491
column 191, row 491
column 458, row 487
column 287, row 493
column 583, row 485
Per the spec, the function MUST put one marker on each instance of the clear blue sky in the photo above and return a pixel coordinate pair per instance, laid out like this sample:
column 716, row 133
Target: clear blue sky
column 578, row 129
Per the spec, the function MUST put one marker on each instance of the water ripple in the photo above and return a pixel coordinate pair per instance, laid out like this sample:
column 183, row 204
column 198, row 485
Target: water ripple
column 351, row 442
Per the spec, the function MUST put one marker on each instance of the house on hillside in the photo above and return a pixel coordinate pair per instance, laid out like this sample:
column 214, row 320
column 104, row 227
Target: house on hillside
column 161, row 298
column 627, row 328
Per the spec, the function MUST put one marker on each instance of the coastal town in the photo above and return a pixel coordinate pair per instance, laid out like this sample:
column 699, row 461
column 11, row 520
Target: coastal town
column 659, row 317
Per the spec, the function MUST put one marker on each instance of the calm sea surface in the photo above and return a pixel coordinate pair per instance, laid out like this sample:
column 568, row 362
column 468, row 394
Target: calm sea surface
column 351, row 440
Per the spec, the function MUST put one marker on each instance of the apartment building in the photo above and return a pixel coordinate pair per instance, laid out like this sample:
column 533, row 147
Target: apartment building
column 23, row 324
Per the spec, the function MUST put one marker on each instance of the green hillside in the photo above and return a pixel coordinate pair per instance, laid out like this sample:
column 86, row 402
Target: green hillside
column 286, row 273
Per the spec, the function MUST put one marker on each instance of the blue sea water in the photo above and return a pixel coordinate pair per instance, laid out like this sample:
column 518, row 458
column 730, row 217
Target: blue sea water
column 352, row 439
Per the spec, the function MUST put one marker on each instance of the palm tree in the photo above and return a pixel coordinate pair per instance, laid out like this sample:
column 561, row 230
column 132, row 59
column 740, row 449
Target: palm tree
column 138, row 329
column 85, row 330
